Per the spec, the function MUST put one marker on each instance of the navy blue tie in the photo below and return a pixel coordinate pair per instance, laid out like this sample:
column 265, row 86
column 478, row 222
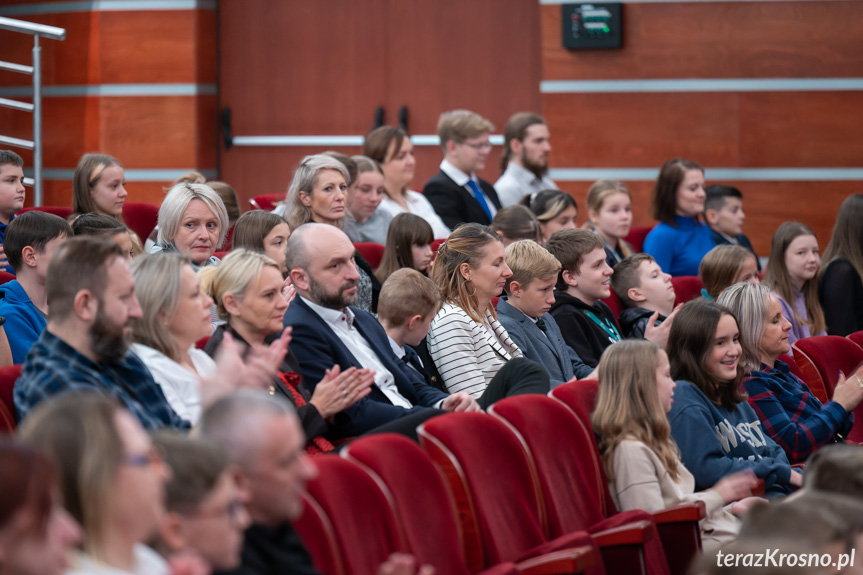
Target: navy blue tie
column 477, row 193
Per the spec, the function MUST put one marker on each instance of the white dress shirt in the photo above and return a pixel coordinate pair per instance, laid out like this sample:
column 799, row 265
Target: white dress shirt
column 419, row 206
column 461, row 179
column 517, row 181
column 342, row 323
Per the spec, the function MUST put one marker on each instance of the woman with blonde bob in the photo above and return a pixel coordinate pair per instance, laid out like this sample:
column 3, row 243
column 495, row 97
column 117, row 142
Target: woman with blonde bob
column 726, row 265
column 840, row 284
column 640, row 458
column 111, row 480
column 247, row 288
column 790, row 413
column 193, row 221
column 470, row 348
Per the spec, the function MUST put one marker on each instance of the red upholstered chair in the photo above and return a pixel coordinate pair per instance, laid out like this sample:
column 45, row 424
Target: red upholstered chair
column 62, row 211
column 8, row 375
column 424, row 507
column 141, row 218
column 788, row 359
column 316, row 531
column 821, row 358
column 856, row 337
column 636, row 236
column 614, row 303
column 228, row 243
column 496, row 489
column 436, row 244
column 6, row 277
column 359, row 511
column 266, row 201
column 575, row 490
column 686, row 288
column 221, row 255
column 373, row 252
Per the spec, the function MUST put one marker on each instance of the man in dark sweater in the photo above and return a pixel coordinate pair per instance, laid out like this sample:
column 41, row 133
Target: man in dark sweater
column 265, row 441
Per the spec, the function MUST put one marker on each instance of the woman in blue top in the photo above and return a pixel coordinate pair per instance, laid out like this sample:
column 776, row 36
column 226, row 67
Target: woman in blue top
column 789, row 412
column 680, row 239
column 715, row 428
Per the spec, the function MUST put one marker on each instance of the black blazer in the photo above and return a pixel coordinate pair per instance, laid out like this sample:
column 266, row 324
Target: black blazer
column 455, row 204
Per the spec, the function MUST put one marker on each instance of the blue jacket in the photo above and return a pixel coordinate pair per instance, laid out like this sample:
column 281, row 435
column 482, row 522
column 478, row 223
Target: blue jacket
column 318, row 348
column 714, row 442
column 24, row 322
column 559, row 360
column 678, row 249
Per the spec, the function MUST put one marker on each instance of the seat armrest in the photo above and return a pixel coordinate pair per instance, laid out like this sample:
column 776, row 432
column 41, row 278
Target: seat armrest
column 635, row 533
column 572, row 560
column 694, row 511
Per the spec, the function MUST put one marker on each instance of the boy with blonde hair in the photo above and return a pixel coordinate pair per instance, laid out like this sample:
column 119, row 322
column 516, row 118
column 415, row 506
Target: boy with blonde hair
column 456, row 193
column 524, row 312
column 407, row 305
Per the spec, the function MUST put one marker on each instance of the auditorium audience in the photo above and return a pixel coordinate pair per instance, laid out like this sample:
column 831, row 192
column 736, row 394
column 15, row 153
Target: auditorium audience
column 31, row 240
column 789, row 411
column 36, row 533
column 328, row 330
column 93, row 224
column 641, row 460
column 715, row 428
column 644, row 291
column 392, row 149
column 111, row 480
column 554, row 209
column 609, row 214
column 364, row 222
column 515, row 223
column 85, row 344
column 680, row 239
column 12, row 193
column 246, row 288
column 791, row 274
column 205, row 513
column 265, row 232
column 523, row 312
column 408, row 245
column 192, row 221
column 524, row 160
column 457, row 194
column 470, row 348
column 841, row 281
column 723, row 212
column 318, row 193
column 265, row 442
column 726, row 265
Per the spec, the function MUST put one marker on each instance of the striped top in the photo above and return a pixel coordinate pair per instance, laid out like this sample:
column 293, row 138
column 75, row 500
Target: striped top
column 465, row 353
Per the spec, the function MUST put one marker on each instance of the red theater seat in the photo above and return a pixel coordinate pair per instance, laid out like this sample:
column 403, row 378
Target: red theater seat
column 686, row 288
column 373, row 252
column 8, row 375
column 266, row 201
column 141, row 218
column 62, row 211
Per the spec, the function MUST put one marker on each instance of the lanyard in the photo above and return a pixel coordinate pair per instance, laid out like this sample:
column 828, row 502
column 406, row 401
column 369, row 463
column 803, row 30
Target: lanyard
column 607, row 326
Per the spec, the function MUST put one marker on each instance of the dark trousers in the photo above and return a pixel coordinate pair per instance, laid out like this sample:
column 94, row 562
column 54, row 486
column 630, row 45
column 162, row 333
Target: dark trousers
column 517, row 377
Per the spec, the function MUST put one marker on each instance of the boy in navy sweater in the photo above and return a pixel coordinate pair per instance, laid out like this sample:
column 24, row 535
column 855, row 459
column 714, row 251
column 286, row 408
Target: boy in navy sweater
column 723, row 212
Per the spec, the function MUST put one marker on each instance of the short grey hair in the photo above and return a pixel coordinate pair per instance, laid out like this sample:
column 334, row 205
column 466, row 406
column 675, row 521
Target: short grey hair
column 304, row 180
column 158, row 281
column 235, row 422
column 750, row 304
column 177, row 201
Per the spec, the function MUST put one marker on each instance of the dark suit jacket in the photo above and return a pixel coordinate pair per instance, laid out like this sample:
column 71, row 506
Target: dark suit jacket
column 318, row 348
column 454, row 203
column 742, row 241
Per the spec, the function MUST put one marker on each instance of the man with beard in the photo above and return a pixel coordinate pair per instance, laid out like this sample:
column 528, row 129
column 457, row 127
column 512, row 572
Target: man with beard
column 327, row 330
column 524, row 161
column 85, row 345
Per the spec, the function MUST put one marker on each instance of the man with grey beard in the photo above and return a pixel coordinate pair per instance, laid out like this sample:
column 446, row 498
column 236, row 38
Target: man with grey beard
column 85, row 345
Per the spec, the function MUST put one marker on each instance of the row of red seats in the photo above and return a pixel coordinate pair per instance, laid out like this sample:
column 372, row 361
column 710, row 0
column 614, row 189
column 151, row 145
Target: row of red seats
column 518, row 489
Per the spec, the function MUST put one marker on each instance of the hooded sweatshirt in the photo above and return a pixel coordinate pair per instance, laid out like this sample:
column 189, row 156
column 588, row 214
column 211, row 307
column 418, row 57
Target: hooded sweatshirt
column 24, row 321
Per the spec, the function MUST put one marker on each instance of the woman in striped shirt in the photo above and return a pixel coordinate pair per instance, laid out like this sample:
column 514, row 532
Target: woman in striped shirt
column 470, row 348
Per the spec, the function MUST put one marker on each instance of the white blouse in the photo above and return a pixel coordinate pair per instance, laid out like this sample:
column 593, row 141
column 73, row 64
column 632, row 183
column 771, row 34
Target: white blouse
column 420, row 206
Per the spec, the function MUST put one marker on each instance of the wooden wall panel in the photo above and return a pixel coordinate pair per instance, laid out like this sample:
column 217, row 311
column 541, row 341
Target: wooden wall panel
column 750, row 129
column 717, row 40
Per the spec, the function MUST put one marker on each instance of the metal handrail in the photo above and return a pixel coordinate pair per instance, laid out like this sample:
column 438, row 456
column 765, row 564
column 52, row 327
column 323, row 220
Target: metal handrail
column 36, row 30
column 13, row 25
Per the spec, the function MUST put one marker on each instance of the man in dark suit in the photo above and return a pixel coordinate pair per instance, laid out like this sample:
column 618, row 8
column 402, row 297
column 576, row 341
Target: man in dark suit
column 456, row 193
column 327, row 330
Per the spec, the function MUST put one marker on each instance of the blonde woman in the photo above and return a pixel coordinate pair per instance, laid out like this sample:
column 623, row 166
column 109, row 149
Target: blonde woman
column 641, row 461
column 470, row 348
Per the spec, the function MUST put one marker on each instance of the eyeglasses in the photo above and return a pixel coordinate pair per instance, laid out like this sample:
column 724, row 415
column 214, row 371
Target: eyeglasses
column 153, row 457
column 481, row 147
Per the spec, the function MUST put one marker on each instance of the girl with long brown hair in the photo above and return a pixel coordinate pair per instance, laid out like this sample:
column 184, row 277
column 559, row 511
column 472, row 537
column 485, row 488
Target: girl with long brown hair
column 840, row 284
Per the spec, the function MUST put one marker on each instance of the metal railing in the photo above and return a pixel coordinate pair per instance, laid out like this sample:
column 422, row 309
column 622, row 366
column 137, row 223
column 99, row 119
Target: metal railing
column 35, row 70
